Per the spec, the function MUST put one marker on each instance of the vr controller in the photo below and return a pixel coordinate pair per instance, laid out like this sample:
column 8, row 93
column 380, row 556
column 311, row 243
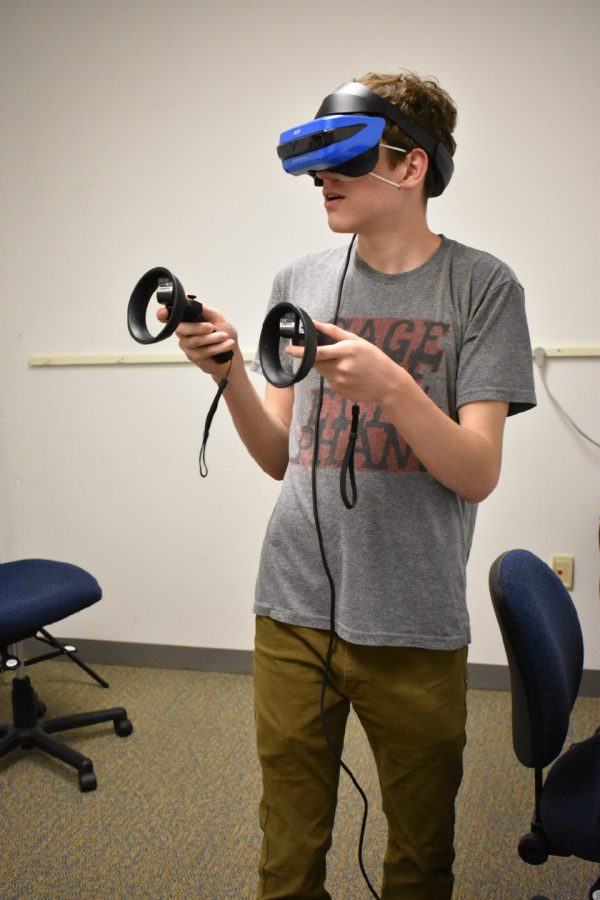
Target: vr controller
column 169, row 291
column 286, row 321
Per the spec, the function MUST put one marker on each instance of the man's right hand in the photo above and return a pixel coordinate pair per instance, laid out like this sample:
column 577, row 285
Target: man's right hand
column 201, row 341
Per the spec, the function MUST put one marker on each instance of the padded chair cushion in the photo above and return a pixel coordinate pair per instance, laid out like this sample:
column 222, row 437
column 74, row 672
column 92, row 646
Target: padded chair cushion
column 37, row 592
column 544, row 646
column 570, row 802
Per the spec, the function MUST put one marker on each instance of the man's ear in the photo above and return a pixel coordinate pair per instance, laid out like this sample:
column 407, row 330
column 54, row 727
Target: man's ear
column 417, row 166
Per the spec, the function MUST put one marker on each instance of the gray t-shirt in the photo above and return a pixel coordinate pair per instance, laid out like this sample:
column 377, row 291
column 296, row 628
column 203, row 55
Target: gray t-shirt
column 398, row 559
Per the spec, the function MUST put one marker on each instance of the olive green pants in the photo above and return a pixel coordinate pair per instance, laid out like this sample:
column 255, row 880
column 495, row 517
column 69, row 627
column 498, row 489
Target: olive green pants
column 412, row 706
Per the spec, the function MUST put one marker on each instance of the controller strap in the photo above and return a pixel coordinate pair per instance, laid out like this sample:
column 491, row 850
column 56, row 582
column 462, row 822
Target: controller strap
column 347, row 471
column 209, row 417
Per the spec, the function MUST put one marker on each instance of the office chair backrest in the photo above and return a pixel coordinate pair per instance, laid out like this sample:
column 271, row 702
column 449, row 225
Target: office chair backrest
column 544, row 645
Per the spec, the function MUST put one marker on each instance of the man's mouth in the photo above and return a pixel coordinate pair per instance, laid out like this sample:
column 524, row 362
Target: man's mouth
column 331, row 195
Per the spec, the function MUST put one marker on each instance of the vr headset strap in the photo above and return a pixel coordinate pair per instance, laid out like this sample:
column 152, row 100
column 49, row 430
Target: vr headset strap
column 354, row 97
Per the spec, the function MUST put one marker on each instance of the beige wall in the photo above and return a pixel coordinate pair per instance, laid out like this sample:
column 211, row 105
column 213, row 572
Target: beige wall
column 143, row 133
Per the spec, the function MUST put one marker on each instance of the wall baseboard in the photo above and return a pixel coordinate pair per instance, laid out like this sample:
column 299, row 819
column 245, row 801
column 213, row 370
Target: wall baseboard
column 482, row 677
column 154, row 656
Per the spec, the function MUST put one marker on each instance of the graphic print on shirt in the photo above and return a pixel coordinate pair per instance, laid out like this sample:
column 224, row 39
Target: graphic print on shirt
column 415, row 344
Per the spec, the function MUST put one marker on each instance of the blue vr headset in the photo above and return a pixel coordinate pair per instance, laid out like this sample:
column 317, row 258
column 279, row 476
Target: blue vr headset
column 344, row 137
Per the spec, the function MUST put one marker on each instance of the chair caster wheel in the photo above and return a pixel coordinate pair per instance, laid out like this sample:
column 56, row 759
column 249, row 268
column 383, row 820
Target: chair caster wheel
column 87, row 781
column 533, row 848
column 123, row 727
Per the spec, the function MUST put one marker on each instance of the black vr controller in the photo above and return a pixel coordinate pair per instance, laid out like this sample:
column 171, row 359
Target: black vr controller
column 283, row 321
column 170, row 292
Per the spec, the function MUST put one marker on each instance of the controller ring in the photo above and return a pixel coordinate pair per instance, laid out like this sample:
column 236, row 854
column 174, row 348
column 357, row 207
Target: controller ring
column 138, row 304
column 269, row 345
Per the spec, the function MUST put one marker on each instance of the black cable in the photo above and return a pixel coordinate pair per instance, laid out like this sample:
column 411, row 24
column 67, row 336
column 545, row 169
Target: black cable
column 327, row 669
column 347, row 468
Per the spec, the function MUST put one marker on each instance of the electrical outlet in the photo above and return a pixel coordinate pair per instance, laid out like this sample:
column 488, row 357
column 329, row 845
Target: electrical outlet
column 563, row 565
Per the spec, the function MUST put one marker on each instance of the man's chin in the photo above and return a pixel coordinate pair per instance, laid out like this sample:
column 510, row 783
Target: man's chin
column 339, row 227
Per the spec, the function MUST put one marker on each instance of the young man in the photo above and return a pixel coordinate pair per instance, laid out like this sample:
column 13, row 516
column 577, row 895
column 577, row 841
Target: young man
column 431, row 342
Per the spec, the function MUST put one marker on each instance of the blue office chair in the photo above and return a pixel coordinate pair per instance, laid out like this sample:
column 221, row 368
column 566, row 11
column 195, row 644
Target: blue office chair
column 35, row 593
column 544, row 645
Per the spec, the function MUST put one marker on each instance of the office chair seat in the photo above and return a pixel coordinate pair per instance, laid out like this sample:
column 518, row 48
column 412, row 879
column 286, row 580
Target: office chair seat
column 35, row 593
column 38, row 592
column 570, row 801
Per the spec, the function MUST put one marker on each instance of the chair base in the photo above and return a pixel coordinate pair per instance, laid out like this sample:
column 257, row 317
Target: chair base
column 27, row 731
column 61, row 649
column 10, row 661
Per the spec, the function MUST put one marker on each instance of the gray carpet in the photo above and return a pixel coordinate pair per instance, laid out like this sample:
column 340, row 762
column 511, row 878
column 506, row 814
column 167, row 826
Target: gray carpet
column 174, row 815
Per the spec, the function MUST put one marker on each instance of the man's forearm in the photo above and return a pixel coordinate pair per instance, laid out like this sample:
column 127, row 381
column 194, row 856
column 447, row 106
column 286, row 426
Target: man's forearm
column 465, row 457
column 263, row 433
